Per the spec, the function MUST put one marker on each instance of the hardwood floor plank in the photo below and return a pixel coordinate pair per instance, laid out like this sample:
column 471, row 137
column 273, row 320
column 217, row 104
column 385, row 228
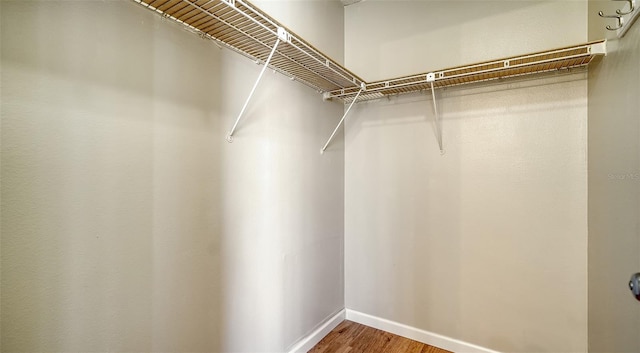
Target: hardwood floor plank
column 371, row 340
column 351, row 337
column 405, row 345
column 431, row 349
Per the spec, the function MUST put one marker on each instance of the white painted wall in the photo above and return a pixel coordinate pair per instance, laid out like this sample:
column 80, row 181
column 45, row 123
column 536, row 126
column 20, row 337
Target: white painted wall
column 128, row 223
column 486, row 244
column 614, row 187
column 282, row 201
column 320, row 22
column 424, row 35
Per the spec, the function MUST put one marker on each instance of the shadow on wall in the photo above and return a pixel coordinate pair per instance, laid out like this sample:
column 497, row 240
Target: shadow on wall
column 447, row 15
column 110, row 220
column 417, row 108
column 128, row 222
column 444, row 240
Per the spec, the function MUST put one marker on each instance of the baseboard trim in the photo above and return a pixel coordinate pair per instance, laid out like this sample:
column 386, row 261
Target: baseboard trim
column 426, row 337
column 309, row 341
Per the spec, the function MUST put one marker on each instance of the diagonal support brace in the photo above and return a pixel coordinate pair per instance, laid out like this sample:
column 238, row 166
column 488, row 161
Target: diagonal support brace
column 362, row 88
column 255, row 85
column 431, row 77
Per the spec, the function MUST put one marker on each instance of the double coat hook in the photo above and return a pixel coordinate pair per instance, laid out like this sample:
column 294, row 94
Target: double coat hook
column 619, row 16
column 631, row 8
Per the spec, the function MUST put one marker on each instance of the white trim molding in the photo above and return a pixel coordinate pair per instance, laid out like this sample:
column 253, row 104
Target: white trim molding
column 309, row 341
column 426, row 337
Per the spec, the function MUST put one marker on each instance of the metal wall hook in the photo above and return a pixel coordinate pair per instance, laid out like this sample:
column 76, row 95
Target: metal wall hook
column 617, row 17
column 620, row 25
column 601, row 14
column 625, row 18
column 631, row 8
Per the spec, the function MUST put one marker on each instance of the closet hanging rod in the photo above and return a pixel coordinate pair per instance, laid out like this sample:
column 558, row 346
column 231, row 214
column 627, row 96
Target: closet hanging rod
column 539, row 62
column 242, row 27
column 231, row 3
column 222, row 44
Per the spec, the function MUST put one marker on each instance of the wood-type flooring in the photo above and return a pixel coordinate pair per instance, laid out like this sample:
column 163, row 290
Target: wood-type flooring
column 352, row 337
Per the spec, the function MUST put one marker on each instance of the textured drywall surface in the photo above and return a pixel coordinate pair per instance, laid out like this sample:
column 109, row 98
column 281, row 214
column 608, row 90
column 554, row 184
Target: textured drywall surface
column 283, row 200
column 385, row 39
column 320, row 22
column 614, row 187
column 488, row 242
column 128, row 223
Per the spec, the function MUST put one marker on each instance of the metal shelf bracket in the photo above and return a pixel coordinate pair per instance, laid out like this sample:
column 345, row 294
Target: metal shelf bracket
column 245, row 29
column 431, row 78
column 363, row 87
column 599, row 48
column 283, row 36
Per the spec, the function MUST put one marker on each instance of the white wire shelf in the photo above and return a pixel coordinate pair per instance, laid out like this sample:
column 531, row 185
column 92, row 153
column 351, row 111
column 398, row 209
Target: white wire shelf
column 242, row 27
column 535, row 63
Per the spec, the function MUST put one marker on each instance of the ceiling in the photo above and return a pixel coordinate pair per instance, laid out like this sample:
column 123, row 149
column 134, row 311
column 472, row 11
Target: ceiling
column 349, row 2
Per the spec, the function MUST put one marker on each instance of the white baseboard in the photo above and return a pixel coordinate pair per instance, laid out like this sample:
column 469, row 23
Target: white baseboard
column 308, row 342
column 426, row 337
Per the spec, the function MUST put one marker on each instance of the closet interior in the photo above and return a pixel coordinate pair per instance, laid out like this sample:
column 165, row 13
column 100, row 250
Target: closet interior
column 236, row 176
